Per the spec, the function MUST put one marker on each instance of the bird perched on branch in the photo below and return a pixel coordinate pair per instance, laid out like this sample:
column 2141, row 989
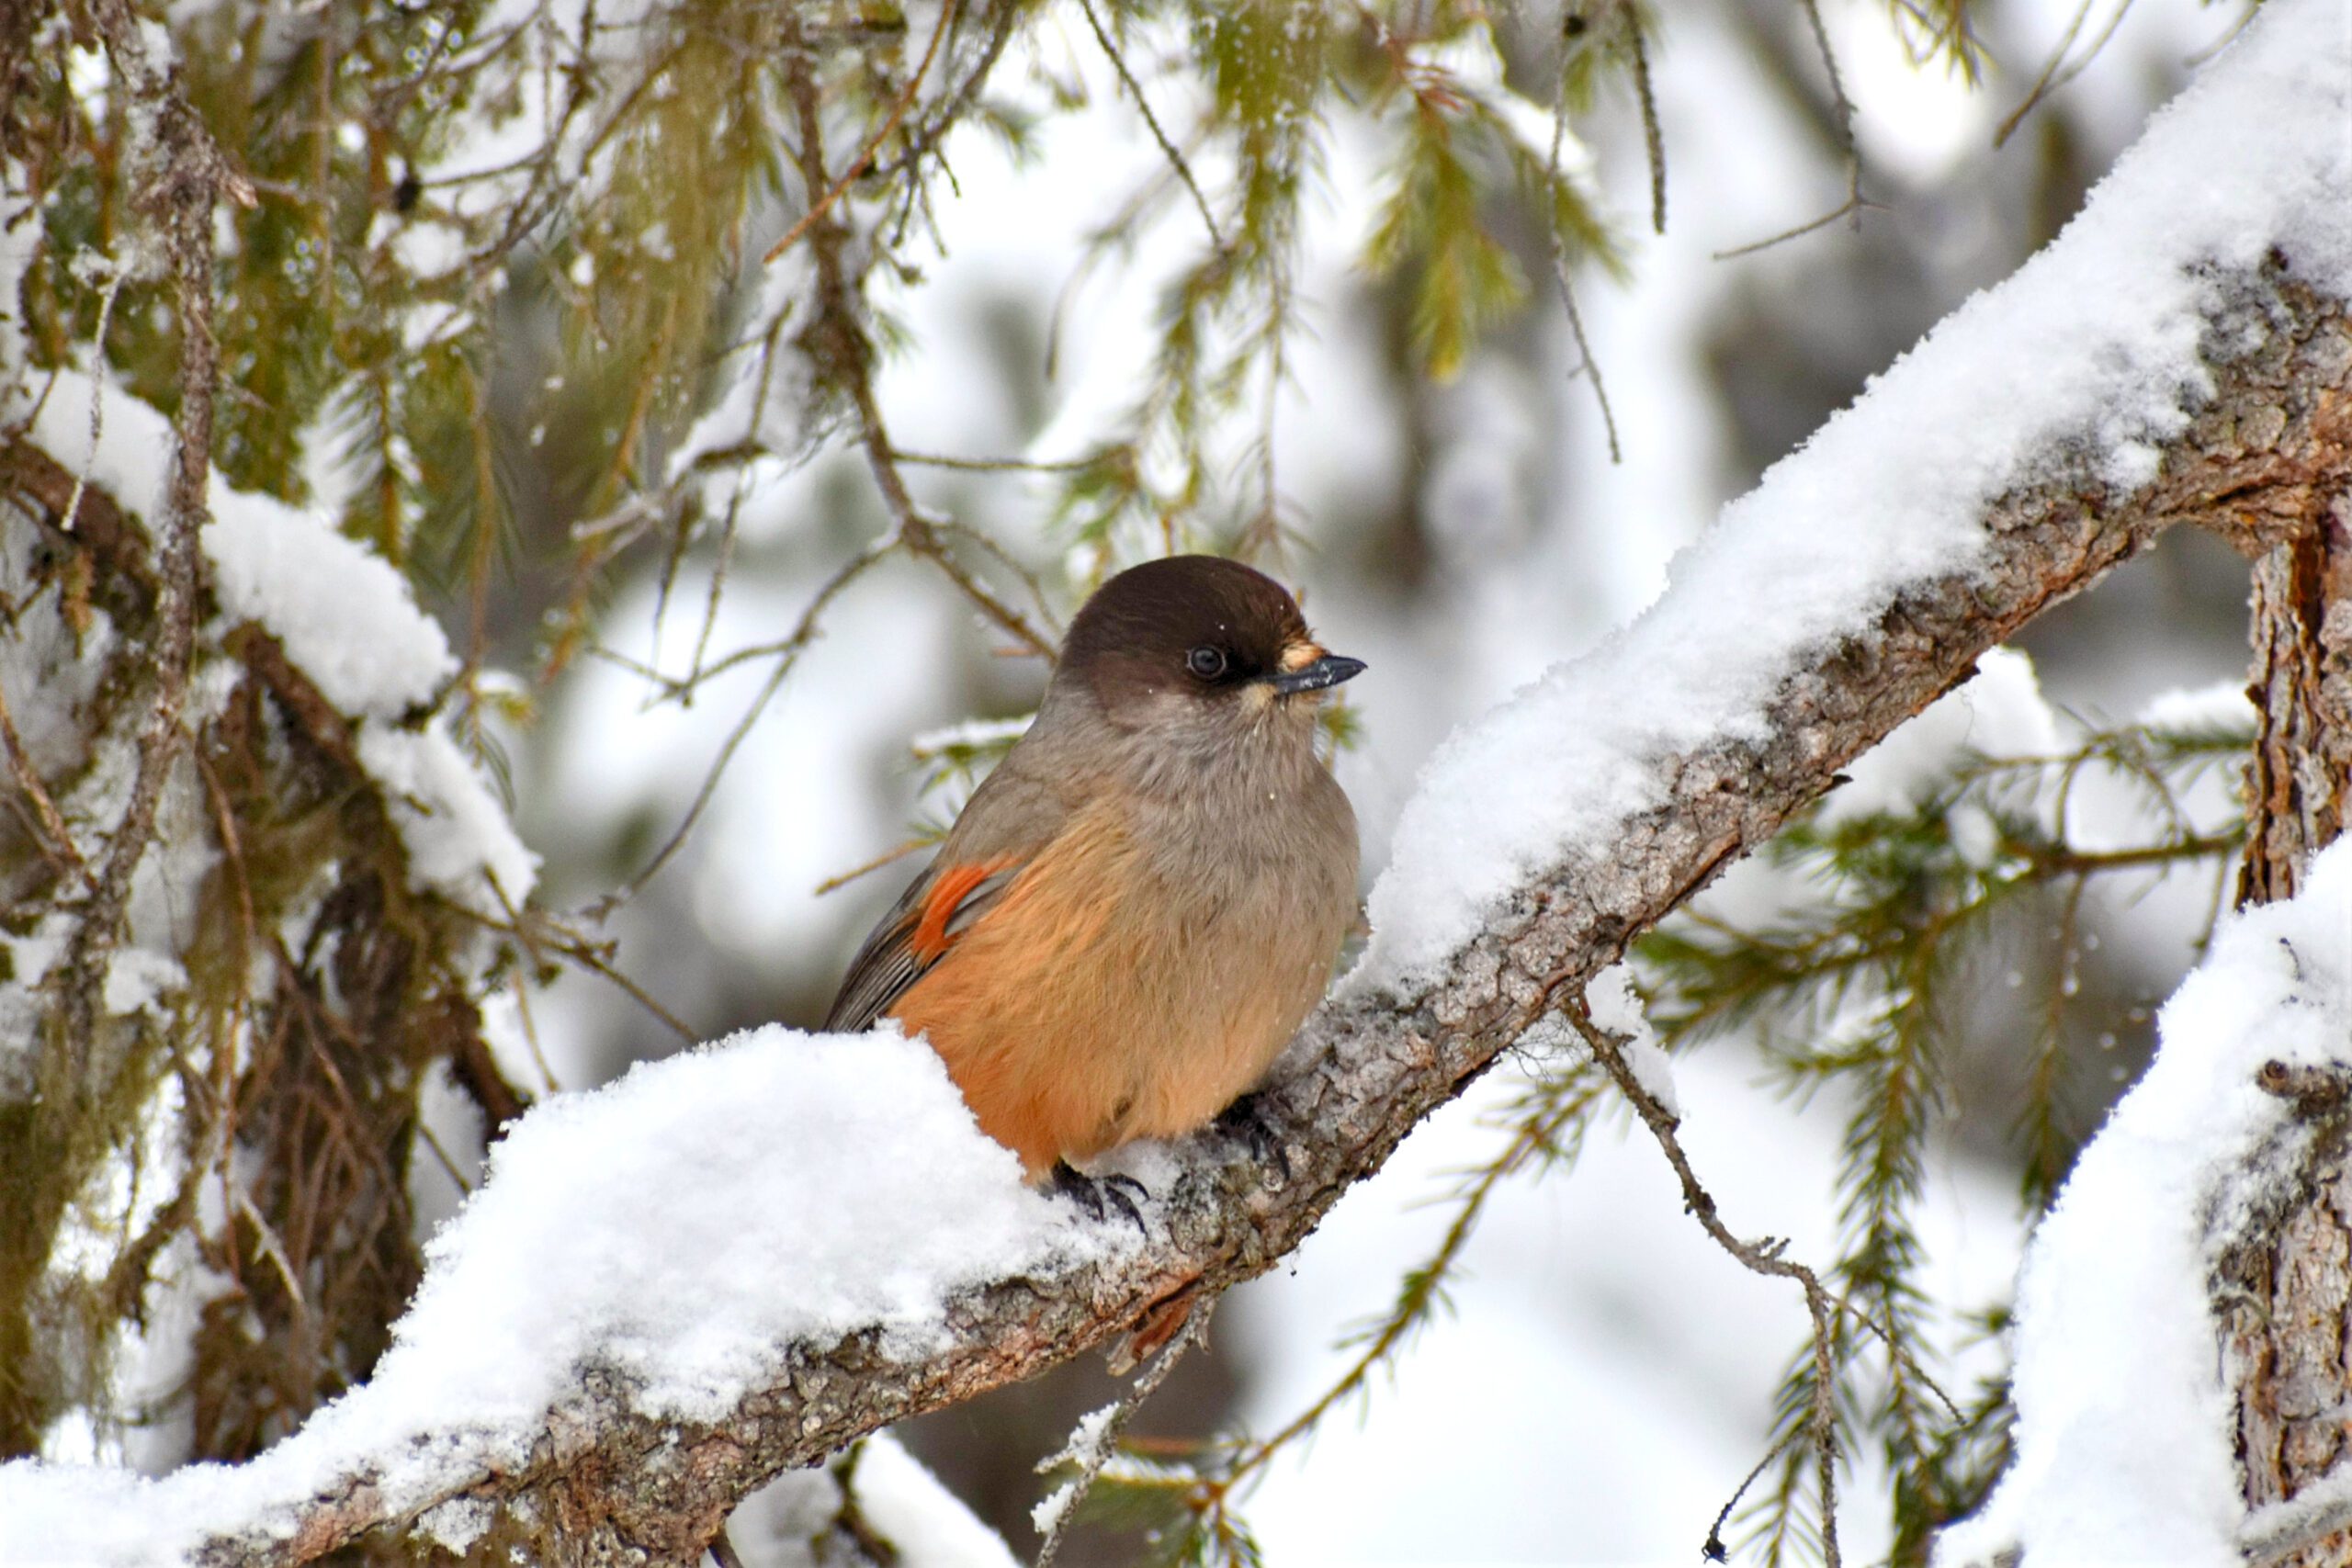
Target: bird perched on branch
column 1134, row 910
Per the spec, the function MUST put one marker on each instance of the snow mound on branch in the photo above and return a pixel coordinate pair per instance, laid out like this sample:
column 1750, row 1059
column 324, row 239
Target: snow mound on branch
column 676, row 1230
column 684, row 1222
column 452, row 824
column 2124, row 1452
column 342, row 612
column 2090, row 351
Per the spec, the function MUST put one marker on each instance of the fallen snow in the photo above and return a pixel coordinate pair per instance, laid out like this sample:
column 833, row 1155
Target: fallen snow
column 2091, row 347
column 2124, row 1449
column 678, row 1228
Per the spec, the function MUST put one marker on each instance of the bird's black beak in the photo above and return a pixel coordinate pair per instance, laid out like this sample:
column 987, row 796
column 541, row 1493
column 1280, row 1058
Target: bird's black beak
column 1318, row 675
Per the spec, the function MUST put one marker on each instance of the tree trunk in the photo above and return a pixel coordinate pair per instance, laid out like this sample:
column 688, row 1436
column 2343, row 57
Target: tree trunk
column 2285, row 1282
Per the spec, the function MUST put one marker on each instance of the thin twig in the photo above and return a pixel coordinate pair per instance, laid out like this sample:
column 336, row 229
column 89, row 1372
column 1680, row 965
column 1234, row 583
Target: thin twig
column 919, row 143
column 995, row 464
column 1856, row 203
column 1167, row 148
column 2049, row 79
column 1842, row 104
column 1757, row 1257
column 1590, row 365
column 565, row 943
column 53, row 822
column 1535, row 1136
column 97, row 392
column 838, row 339
column 1713, row 1550
column 1652, row 136
column 1090, row 1466
column 188, row 179
column 888, row 856
column 818, row 208
column 787, row 654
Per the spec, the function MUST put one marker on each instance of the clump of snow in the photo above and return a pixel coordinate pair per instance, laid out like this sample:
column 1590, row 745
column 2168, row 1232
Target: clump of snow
column 1045, row 1515
column 1083, row 1449
column 972, row 734
column 898, row 1499
column 345, row 615
column 1618, row 1009
column 2124, row 1430
column 687, row 1221
column 2222, row 708
column 1084, row 1446
column 342, row 612
column 2090, row 349
column 455, row 832
column 677, row 1228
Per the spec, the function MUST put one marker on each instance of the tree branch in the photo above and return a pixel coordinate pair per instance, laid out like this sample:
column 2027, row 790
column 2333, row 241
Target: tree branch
column 2272, row 440
column 2035, row 514
column 187, row 177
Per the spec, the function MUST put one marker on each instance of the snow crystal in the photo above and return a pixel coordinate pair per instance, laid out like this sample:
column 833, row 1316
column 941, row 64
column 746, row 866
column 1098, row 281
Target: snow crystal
column 677, row 1228
column 2124, row 1449
column 2091, row 347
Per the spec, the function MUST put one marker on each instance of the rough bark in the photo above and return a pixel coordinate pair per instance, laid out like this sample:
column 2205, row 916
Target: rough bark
column 2284, row 1282
column 2300, row 774
column 606, row 1483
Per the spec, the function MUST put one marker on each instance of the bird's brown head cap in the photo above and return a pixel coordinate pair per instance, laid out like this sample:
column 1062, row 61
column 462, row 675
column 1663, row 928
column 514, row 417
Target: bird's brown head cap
column 1196, row 628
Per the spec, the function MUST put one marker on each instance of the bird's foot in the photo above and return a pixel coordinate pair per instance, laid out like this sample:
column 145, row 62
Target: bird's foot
column 1246, row 1121
column 1099, row 1195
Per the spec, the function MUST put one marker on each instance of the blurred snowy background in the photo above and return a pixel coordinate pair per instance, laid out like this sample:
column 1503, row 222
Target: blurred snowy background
column 1604, row 1379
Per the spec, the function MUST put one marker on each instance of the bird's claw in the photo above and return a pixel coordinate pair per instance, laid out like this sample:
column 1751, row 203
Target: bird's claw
column 1099, row 1195
column 1246, row 1119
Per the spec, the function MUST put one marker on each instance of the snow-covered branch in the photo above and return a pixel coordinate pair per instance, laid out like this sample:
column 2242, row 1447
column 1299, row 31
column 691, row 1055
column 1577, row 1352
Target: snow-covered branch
column 736, row 1261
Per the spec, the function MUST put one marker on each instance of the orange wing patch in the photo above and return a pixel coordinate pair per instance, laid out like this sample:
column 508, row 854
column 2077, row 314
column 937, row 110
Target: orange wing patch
column 930, row 938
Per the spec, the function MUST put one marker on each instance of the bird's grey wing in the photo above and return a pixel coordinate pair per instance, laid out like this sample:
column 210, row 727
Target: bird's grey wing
column 1007, row 821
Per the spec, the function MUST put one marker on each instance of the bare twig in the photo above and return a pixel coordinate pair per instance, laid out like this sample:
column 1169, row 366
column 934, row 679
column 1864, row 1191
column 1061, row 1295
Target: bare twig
column 1098, row 1454
column 1590, row 365
column 896, row 852
column 1759, row 1258
column 820, row 205
column 97, row 390
column 787, row 654
column 187, row 178
column 1855, row 202
column 1143, row 104
column 994, row 465
column 60, row 838
column 1652, row 136
column 838, row 337
column 2052, row 78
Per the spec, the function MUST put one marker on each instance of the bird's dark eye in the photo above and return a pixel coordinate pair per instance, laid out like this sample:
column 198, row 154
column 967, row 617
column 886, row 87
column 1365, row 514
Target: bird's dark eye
column 1206, row 663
